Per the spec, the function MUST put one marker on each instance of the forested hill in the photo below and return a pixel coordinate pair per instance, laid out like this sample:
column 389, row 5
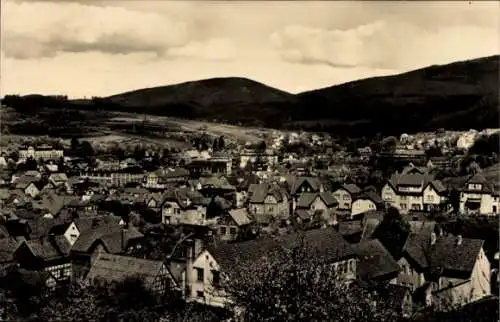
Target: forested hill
column 460, row 96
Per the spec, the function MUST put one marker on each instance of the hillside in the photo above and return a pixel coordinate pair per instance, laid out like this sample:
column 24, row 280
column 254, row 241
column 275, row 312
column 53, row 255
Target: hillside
column 460, row 95
column 226, row 99
column 457, row 96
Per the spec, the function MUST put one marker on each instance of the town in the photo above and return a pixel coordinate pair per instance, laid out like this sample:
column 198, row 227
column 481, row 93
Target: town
column 414, row 215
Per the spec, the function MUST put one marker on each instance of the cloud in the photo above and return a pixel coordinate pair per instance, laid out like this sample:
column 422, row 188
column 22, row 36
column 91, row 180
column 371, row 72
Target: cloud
column 217, row 49
column 46, row 29
column 384, row 44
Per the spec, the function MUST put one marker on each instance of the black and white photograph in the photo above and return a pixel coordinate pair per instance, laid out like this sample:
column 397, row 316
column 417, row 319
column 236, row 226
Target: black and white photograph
column 248, row 161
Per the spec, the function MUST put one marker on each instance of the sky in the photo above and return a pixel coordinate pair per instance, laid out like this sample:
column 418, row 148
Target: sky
column 99, row 48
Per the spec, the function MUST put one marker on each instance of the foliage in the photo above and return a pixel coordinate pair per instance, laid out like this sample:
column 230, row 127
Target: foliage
column 296, row 285
column 393, row 231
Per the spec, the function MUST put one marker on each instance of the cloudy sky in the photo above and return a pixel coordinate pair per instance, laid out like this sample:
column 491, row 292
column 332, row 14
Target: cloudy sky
column 85, row 48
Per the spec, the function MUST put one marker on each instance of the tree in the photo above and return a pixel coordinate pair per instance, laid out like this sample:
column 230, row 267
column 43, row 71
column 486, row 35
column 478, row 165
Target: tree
column 31, row 164
column 389, row 144
column 222, row 143
column 473, row 168
column 74, row 144
column 299, row 285
column 393, row 231
column 86, row 150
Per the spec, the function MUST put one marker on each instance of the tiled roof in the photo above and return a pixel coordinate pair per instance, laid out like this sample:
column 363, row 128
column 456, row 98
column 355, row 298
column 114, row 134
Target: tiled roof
column 263, row 190
column 326, row 243
column 115, row 268
column 44, row 248
column 113, row 241
column 375, row 260
column 240, row 216
column 296, row 182
column 104, row 222
column 370, row 195
column 351, row 188
column 58, row 177
column 445, row 253
column 307, row 198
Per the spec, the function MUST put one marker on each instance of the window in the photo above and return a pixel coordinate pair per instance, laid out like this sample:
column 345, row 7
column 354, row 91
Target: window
column 215, row 278
column 223, row 230
column 232, row 231
column 430, row 198
column 403, row 197
column 402, row 206
column 495, row 209
column 346, row 197
column 200, row 294
column 199, row 274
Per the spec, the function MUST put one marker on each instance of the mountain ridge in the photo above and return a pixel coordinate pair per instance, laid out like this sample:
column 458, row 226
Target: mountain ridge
column 456, row 96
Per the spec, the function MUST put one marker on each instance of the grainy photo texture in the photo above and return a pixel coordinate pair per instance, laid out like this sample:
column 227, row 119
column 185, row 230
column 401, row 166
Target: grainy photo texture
column 247, row 161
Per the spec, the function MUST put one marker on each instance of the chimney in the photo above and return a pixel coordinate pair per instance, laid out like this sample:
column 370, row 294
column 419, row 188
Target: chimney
column 190, row 246
column 123, row 242
column 433, row 238
column 459, row 240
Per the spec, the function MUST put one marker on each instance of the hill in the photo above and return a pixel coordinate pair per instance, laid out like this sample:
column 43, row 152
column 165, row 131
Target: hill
column 456, row 96
column 459, row 96
column 226, row 99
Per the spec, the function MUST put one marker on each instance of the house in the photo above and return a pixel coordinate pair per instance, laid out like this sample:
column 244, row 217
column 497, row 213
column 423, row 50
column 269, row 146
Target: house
column 184, row 206
column 445, row 269
column 51, row 204
column 73, row 230
column 58, row 179
column 375, row 262
column 298, row 185
column 160, row 179
column 439, row 162
column 110, row 268
column 209, row 167
column 366, row 201
column 314, row 207
column 203, row 275
column 313, row 201
column 94, row 243
column 415, row 189
column 234, row 224
column 46, row 254
column 478, row 196
column 268, row 202
column 44, row 151
column 27, row 187
column 346, row 195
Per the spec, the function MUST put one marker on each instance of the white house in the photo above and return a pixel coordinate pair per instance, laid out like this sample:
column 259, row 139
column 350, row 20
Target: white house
column 345, row 195
column 204, row 274
column 414, row 190
column 479, row 197
column 366, row 202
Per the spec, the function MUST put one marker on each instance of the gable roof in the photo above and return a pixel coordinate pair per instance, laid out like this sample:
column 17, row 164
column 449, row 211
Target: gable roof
column 58, row 177
column 297, row 182
column 370, row 195
column 45, row 248
column 263, row 190
column 116, row 268
column 351, row 188
column 328, row 243
column 445, row 253
column 307, row 198
column 240, row 216
column 375, row 260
